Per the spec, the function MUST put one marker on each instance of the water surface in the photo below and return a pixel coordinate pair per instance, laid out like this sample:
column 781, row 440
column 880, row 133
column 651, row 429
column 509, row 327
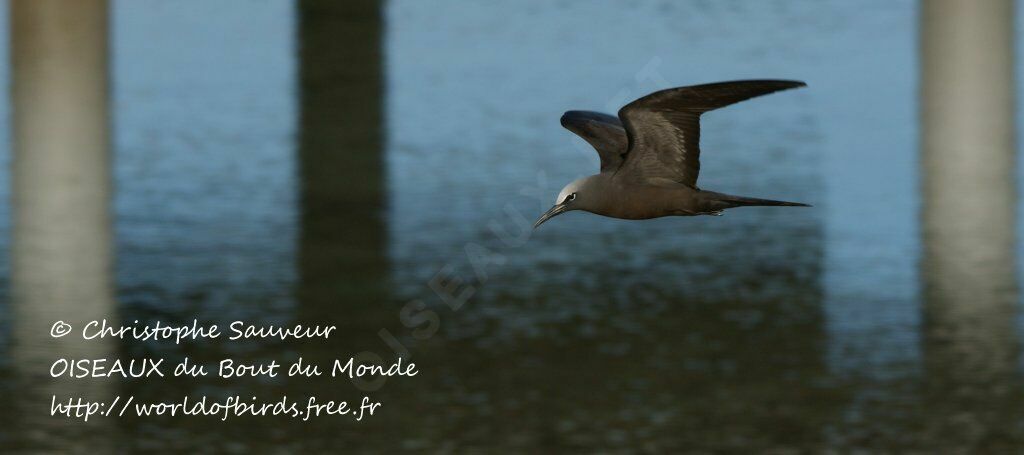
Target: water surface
column 274, row 167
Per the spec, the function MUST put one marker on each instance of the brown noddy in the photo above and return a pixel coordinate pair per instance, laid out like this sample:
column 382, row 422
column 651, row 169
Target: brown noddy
column 650, row 155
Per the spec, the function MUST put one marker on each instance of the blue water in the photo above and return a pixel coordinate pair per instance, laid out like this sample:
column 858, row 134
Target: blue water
column 765, row 329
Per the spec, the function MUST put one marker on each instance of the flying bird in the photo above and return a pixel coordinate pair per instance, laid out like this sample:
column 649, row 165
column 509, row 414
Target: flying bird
column 650, row 155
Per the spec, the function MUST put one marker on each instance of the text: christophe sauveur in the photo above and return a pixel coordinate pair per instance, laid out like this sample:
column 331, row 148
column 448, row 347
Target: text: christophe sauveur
column 237, row 330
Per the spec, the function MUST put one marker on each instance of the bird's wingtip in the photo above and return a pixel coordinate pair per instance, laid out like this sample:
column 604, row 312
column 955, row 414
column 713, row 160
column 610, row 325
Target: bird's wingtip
column 788, row 83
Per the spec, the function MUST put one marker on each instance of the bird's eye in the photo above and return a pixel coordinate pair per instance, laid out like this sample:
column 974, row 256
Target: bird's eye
column 571, row 197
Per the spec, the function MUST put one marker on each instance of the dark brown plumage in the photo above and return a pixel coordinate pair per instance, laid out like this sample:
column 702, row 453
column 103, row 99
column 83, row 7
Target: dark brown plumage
column 650, row 155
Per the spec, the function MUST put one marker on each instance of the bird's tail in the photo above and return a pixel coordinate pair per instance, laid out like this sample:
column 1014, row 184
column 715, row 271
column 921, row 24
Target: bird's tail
column 729, row 201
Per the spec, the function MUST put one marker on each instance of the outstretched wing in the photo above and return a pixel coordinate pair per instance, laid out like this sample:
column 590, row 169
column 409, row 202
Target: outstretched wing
column 604, row 132
column 664, row 127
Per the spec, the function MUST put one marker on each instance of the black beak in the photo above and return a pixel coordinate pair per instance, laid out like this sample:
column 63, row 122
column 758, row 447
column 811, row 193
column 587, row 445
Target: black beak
column 551, row 213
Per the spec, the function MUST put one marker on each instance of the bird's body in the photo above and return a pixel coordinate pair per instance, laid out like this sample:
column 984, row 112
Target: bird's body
column 651, row 157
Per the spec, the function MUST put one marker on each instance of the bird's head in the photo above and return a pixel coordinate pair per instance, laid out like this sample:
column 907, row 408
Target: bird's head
column 572, row 197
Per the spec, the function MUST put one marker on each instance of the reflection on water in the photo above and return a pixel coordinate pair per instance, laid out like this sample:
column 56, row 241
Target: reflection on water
column 341, row 256
column 61, row 253
column 324, row 161
column 969, row 267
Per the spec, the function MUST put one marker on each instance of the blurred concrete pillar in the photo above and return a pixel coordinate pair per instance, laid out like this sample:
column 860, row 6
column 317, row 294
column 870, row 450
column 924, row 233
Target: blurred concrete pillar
column 968, row 164
column 342, row 250
column 61, row 172
column 61, row 169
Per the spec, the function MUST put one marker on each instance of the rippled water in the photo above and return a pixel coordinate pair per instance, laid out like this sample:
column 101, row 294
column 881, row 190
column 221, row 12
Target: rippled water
column 274, row 165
